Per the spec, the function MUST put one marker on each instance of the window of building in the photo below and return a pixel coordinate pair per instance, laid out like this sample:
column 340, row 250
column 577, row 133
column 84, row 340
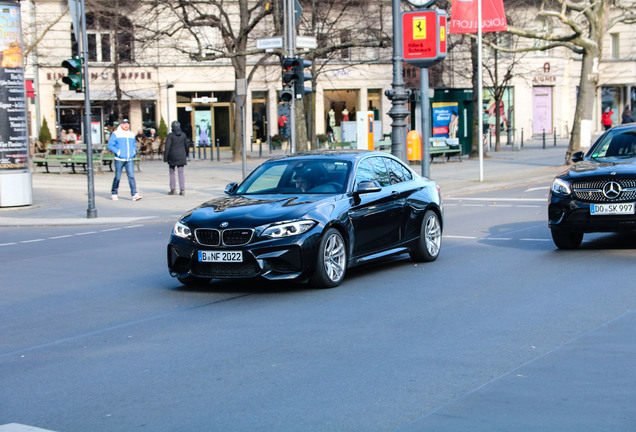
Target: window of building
column 540, row 25
column 615, row 45
column 345, row 53
column 107, row 35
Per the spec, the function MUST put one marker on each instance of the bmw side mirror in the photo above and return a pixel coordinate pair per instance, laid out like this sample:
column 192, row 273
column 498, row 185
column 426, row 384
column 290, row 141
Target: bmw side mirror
column 231, row 188
column 368, row 187
column 578, row 156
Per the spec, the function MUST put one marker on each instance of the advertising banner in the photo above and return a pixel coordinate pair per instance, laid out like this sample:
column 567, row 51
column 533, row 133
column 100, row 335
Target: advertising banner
column 445, row 119
column 14, row 145
column 203, row 121
column 464, row 16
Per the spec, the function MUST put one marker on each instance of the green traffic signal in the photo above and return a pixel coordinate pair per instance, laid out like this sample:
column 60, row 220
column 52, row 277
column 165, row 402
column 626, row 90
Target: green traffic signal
column 74, row 77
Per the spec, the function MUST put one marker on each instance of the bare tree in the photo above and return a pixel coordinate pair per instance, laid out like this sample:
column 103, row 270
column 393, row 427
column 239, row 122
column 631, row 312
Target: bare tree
column 580, row 27
column 211, row 30
column 343, row 31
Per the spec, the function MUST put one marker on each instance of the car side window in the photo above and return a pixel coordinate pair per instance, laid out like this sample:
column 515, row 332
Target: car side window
column 397, row 172
column 373, row 169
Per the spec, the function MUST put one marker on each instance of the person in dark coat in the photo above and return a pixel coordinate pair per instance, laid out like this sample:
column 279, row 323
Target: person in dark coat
column 627, row 116
column 176, row 155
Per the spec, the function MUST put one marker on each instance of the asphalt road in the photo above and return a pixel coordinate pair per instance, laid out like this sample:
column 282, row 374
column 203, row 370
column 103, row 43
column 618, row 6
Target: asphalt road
column 502, row 332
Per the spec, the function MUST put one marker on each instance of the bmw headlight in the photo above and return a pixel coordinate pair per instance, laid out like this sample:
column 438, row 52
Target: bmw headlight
column 561, row 187
column 182, row 230
column 286, row 229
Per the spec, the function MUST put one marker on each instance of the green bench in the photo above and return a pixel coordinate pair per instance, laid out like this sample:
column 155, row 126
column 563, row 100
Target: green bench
column 439, row 147
column 72, row 155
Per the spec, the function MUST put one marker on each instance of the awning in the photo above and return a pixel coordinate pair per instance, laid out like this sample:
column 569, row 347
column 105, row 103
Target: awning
column 100, row 95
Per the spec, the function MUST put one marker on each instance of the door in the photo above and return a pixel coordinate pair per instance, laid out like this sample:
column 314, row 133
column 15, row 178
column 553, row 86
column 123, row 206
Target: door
column 541, row 110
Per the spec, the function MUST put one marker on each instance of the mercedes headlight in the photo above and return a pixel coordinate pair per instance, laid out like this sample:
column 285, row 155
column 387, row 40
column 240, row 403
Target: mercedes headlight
column 182, row 230
column 286, row 229
column 561, row 187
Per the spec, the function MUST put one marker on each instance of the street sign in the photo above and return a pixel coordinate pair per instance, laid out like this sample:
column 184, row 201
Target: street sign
column 269, row 43
column 424, row 37
column 309, row 42
column 298, row 11
column 204, row 99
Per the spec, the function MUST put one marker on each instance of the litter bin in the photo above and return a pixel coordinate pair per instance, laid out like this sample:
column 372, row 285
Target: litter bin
column 413, row 146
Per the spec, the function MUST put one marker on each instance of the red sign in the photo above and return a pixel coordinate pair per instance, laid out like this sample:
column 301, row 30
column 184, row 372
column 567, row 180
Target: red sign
column 424, row 37
column 464, row 16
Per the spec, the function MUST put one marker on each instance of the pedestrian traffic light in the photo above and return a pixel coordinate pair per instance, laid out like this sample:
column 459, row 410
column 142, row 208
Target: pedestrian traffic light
column 301, row 77
column 287, row 94
column 74, row 77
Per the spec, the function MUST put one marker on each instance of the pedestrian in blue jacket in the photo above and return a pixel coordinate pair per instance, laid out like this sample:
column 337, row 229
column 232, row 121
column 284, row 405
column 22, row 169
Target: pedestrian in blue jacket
column 123, row 144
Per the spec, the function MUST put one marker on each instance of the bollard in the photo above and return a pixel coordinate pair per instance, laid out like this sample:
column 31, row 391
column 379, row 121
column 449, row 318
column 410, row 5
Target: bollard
column 544, row 138
column 199, row 148
column 218, row 151
column 205, row 156
column 554, row 133
column 521, row 137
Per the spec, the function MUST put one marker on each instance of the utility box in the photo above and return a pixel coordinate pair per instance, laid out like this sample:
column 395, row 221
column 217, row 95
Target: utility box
column 364, row 121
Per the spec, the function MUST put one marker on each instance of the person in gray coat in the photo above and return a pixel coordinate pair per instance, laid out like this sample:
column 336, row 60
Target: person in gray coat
column 176, row 155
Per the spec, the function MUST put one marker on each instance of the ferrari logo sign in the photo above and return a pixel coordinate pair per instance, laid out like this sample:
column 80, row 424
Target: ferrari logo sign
column 419, row 28
column 424, row 37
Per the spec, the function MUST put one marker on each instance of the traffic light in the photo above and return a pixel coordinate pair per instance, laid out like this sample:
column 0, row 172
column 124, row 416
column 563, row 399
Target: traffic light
column 289, row 70
column 301, row 77
column 74, row 77
column 287, row 94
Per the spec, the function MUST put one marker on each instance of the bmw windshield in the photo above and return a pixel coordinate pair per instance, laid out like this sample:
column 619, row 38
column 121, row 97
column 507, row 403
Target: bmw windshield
column 297, row 176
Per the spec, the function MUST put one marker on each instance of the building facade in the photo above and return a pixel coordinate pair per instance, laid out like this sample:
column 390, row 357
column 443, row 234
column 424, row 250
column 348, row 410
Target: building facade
column 158, row 79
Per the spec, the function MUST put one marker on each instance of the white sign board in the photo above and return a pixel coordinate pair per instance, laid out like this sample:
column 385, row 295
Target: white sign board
column 308, row 42
column 269, row 43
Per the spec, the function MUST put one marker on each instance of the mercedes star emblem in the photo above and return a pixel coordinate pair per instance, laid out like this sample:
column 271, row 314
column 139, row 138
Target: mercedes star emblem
column 612, row 190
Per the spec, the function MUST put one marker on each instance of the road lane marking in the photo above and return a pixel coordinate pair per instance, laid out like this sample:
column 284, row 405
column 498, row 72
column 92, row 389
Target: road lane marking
column 32, row 241
column 60, row 237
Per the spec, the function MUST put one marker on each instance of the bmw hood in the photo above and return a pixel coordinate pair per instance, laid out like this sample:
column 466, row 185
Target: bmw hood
column 247, row 211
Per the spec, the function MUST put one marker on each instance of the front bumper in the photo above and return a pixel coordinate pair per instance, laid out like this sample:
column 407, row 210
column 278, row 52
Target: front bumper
column 279, row 259
column 567, row 214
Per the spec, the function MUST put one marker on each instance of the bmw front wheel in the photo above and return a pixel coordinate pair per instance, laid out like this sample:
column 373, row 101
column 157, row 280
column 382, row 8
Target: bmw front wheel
column 430, row 241
column 331, row 261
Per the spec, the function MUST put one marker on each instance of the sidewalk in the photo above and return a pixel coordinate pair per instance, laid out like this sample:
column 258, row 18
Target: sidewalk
column 62, row 199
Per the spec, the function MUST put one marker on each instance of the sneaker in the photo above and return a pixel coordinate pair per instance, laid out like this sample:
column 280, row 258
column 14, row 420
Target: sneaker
column 114, row 197
column 136, row 197
column 182, row 192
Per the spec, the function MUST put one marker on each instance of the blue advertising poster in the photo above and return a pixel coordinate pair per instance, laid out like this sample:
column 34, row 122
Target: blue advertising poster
column 445, row 119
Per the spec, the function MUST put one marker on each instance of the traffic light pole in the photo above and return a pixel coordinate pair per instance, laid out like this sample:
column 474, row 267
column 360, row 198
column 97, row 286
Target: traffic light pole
column 91, row 212
column 290, row 46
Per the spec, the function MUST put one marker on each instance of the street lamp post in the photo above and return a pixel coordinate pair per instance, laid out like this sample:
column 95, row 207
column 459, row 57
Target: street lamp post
column 168, row 87
column 57, row 88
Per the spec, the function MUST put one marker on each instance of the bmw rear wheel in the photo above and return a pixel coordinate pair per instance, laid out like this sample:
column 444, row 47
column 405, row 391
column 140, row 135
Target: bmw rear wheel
column 567, row 239
column 331, row 261
column 430, row 241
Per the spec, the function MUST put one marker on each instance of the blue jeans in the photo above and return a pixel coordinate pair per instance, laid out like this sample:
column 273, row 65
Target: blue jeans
column 130, row 171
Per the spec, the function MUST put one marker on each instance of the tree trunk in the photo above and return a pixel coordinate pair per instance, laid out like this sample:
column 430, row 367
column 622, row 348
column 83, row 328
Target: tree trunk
column 589, row 79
